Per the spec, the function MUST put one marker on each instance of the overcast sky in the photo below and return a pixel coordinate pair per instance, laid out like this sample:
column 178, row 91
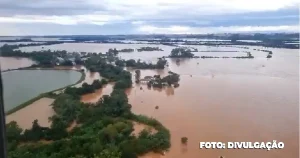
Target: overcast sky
column 67, row 17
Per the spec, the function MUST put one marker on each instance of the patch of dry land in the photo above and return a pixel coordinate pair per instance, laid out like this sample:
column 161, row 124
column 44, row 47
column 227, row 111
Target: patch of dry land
column 40, row 110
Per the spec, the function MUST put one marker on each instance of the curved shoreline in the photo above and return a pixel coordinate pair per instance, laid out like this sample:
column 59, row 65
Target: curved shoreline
column 23, row 68
column 46, row 94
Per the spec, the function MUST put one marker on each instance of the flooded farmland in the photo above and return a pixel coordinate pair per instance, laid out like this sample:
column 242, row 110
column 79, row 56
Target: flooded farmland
column 14, row 63
column 23, row 85
column 218, row 99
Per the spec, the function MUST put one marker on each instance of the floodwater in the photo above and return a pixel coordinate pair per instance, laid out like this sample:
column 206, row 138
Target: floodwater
column 89, row 76
column 228, row 100
column 144, row 56
column 139, row 127
column 220, row 100
column 102, row 48
column 224, row 109
column 14, row 63
column 23, row 85
column 24, row 117
column 94, row 97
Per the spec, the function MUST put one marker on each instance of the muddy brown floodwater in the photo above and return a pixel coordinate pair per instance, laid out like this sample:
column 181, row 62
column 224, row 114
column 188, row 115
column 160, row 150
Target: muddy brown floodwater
column 41, row 109
column 202, row 109
column 94, row 97
column 89, row 78
column 139, row 127
column 14, row 63
column 225, row 100
column 222, row 100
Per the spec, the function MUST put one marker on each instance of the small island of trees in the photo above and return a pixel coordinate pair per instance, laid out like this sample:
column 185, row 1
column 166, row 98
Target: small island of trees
column 157, row 82
column 181, row 53
column 115, row 51
column 86, row 88
column 187, row 53
column 127, row 50
column 160, row 64
column 149, row 49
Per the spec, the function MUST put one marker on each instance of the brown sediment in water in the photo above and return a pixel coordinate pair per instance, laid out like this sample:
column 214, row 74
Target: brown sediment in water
column 227, row 108
column 203, row 109
column 40, row 110
column 89, row 78
column 14, row 63
column 238, row 103
column 235, row 105
column 138, row 127
column 94, row 97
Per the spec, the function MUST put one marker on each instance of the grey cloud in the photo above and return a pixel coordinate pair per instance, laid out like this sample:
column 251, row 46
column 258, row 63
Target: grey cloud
column 162, row 14
column 47, row 7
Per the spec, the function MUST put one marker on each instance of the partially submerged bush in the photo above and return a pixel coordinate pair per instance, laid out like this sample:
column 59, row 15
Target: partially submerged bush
column 184, row 140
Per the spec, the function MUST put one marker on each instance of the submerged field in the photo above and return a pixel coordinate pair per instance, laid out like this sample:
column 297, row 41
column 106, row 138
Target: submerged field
column 23, row 85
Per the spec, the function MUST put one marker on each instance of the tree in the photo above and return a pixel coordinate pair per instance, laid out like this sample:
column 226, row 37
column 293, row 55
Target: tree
column 120, row 63
column 131, row 63
column 137, row 75
column 161, row 63
column 35, row 133
column 104, row 81
column 13, row 131
column 181, row 52
column 171, row 78
column 109, row 153
column 113, row 51
column 58, row 129
column 123, row 84
column 184, row 140
column 67, row 63
column 97, row 84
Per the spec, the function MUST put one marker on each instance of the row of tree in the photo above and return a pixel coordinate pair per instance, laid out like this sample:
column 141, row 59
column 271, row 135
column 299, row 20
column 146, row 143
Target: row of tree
column 160, row 64
column 86, row 88
column 44, row 58
column 149, row 49
column 187, row 53
column 127, row 50
column 248, row 56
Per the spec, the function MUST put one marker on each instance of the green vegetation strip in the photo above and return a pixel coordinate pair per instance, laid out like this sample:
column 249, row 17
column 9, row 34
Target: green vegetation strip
column 46, row 94
column 104, row 128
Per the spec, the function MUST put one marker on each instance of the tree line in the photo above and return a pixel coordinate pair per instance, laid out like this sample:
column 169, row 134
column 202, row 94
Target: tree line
column 44, row 58
column 160, row 64
column 149, row 49
column 105, row 129
column 86, row 88
column 187, row 53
